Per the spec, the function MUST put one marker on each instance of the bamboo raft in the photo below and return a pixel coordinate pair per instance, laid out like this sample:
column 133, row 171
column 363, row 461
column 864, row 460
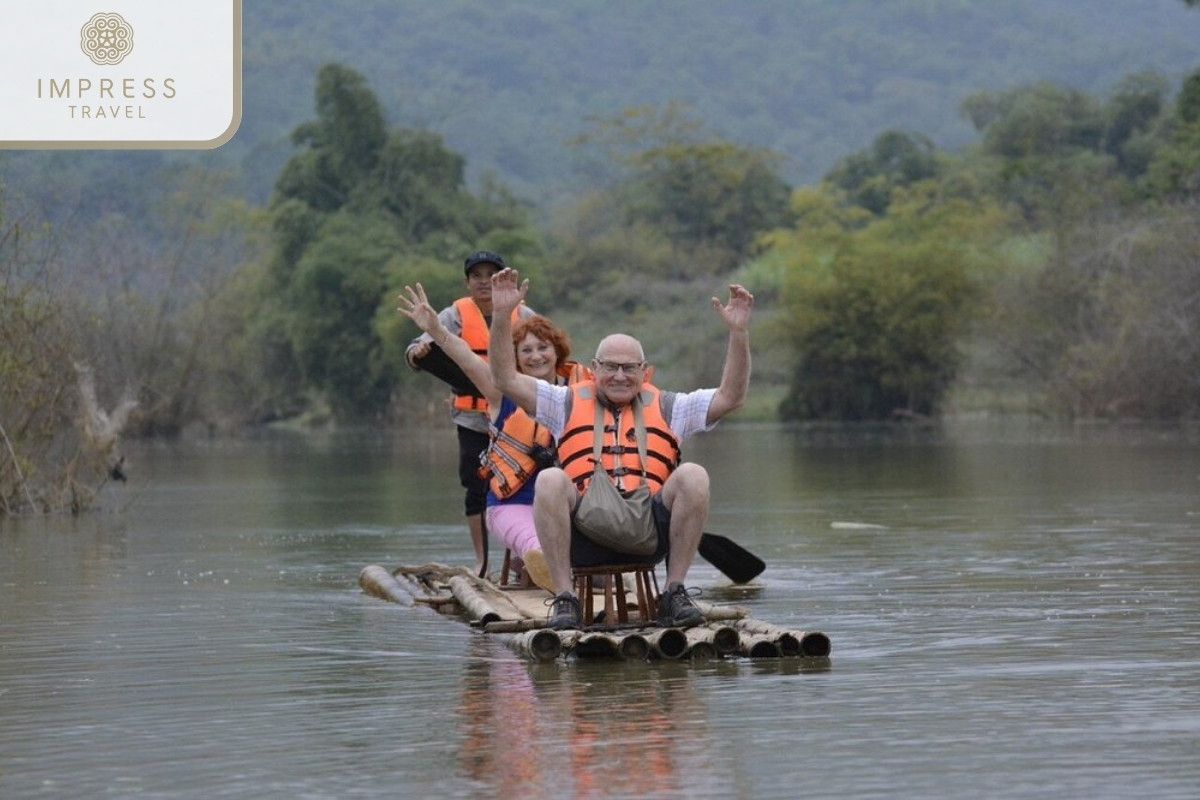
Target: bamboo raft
column 518, row 616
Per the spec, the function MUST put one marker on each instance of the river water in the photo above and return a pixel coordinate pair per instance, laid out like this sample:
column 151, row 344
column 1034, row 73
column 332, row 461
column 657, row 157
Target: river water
column 1013, row 609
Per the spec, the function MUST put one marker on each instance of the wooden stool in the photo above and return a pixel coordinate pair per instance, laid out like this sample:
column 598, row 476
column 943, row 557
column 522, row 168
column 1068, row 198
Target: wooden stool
column 507, row 569
column 645, row 588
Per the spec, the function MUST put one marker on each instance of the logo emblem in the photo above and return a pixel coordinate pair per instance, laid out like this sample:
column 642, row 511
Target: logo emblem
column 106, row 38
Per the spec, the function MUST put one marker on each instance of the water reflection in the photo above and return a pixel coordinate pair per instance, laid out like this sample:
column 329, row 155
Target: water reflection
column 606, row 729
column 1011, row 616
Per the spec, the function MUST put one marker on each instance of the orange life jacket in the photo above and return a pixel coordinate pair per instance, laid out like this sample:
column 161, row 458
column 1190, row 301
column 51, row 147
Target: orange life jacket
column 475, row 334
column 510, row 459
column 619, row 452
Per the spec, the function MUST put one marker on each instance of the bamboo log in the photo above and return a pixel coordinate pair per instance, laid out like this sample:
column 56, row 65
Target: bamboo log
column 514, row 625
column 670, row 643
column 725, row 638
column 787, row 641
column 813, row 644
column 702, row 650
column 714, row 613
column 539, row 645
column 377, row 581
column 597, row 644
column 476, row 606
column 758, row 645
column 633, row 647
column 721, row 639
column 791, row 642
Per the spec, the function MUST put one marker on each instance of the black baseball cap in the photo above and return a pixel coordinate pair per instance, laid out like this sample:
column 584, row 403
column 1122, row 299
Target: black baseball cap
column 482, row 257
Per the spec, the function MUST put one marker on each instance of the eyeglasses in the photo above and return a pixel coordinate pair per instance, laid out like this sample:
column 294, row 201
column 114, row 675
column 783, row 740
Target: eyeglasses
column 613, row 367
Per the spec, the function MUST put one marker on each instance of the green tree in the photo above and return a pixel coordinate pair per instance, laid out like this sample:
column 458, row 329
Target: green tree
column 333, row 298
column 1045, row 143
column 875, row 309
column 680, row 207
column 344, row 142
column 351, row 210
column 894, row 160
column 709, row 196
column 1134, row 117
column 1174, row 171
column 1106, row 328
column 47, row 462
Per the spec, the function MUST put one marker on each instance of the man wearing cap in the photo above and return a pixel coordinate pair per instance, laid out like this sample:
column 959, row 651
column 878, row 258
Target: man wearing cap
column 470, row 318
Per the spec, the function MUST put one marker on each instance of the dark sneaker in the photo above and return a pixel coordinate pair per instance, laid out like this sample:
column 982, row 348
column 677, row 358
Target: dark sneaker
column 565, row 612
column 676, row 609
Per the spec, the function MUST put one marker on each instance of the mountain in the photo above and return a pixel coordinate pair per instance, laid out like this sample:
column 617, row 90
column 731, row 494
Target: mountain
column 509, row 83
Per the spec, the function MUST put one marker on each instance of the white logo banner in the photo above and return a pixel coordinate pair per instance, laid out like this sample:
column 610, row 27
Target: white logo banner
column 96, row 74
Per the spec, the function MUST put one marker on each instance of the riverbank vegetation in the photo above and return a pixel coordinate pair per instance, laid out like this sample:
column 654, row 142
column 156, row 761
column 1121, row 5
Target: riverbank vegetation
column 1053, row 259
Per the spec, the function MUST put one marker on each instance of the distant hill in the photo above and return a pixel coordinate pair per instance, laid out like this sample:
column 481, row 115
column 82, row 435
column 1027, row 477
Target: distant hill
column 509, row 82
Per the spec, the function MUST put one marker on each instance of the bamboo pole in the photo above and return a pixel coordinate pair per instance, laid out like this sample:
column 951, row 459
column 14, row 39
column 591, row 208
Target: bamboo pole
column 791, row 643
column 539, row 645
column 377, row 581
column 720, row 639
column 702, row 650
column 725, row 638
column 813, row 644
column 514, row 625
column 474, row 603
column 597, row 644
column 633, row 647
column 670, row 643
column 714, row 613
column 758, row 645
column 787, row 641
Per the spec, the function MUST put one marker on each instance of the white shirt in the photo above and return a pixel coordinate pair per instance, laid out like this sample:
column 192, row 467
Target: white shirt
column 689, row 414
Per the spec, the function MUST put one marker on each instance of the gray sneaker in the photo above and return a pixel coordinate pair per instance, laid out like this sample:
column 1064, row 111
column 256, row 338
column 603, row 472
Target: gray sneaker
column 676, row 609
column 565, row 612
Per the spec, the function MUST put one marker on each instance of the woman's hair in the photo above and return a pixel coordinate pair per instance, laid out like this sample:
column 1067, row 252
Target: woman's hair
column 545, row 330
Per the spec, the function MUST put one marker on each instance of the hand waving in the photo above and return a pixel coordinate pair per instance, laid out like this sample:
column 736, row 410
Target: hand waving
column 508, row 291
column 415, row 305
column 736, row 313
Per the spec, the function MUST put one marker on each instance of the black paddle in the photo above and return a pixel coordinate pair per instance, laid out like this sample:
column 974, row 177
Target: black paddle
column 442, row 367
column 738, row 563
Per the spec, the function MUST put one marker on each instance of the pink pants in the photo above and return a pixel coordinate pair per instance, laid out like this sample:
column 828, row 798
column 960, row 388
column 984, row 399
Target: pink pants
column 512, row 524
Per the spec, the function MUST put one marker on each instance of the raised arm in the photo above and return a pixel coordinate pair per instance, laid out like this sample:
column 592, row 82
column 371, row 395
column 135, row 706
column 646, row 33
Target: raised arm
column 735, row 379
column 507, row 293
column 415, row 305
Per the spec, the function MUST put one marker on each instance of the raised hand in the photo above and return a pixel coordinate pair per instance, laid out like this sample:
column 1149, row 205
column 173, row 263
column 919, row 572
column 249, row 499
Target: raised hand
column 415, row 305
column 508, row 291
column 736, row 313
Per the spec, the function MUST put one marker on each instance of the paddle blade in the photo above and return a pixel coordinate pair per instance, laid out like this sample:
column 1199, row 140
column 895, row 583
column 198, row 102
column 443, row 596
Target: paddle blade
column 735, row 561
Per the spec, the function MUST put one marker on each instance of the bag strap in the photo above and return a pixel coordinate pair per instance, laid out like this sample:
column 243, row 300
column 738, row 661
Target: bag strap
column 639, row 427
column 597, row 434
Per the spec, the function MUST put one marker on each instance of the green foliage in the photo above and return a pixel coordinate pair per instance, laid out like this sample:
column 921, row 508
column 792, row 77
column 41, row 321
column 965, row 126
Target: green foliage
column 681, row 209
column 508, row 82
column 894, row 160
column 1134, row 116
column 357, row 214
column 713, row 196
column 332, row 299
column 44, row 463
column 1174, row 169
column 1060, row 153
column 1107, row 324
column 344, row 141
column 874, row 312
